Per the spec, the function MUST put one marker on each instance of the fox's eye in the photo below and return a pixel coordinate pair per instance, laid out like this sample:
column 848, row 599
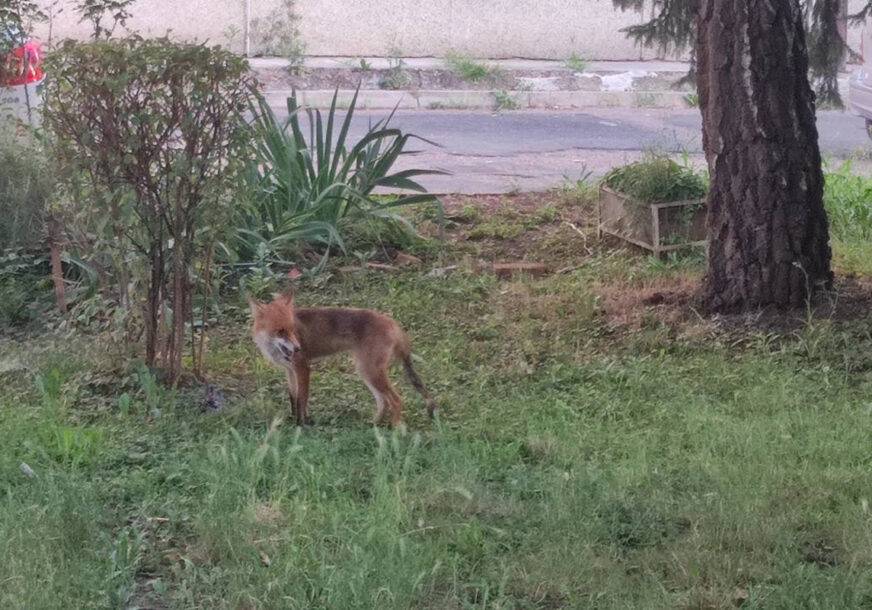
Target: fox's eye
column 282, row 334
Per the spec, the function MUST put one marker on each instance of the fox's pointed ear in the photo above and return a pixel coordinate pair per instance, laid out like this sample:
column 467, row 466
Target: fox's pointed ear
column 287, row 297
column 255, row 306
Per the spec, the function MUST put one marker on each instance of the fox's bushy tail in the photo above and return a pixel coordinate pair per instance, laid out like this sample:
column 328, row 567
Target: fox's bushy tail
column 406, row 357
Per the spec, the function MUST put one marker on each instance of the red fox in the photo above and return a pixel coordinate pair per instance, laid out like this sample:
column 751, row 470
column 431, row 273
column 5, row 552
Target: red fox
column 292, row 338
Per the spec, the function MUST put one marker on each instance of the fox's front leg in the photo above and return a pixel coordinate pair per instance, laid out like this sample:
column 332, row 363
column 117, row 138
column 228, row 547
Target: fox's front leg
column 301, row 374
column 292, row 390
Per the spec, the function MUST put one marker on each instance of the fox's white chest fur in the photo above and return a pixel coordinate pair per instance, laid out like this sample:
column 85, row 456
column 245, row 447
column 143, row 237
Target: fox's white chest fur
column 276, row 350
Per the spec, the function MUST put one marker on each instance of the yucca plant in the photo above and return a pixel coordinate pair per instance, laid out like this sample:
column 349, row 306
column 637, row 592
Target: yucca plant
column 308, row 184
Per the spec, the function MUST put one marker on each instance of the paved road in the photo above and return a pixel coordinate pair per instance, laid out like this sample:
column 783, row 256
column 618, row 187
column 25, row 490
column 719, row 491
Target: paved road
column 533, row 150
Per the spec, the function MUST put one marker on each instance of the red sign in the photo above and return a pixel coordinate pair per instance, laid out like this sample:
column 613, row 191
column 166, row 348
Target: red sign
column 21, row 65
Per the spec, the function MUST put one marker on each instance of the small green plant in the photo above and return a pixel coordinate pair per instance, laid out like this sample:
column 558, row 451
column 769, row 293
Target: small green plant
column 685, row 260
column 576, row 63
column 470, row 213
column 509, row 223
column 656, row 179
column 692, row 100
column 232, row 34
column 582, row 191
column 397, row 76
column 498, row 228
column 73, row 445
column 505, row 100
column 547, row 213
column 645, row 100
column 278, row 34
column 124, row 402
column 471, row 69
column 50, row 386
column 151, row 391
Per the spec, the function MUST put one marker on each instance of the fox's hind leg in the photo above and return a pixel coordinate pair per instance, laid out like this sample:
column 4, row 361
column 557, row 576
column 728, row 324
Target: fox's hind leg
column 374, row 373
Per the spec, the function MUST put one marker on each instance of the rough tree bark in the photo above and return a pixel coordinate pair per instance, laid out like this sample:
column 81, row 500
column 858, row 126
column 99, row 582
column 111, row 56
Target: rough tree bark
column 767, row 228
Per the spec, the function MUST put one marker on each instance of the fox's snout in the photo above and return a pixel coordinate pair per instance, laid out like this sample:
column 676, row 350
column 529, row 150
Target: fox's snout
column 278, row 350
column 287, row 348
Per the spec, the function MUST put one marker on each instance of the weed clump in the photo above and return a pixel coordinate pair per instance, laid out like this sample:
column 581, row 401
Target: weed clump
column 657, row 179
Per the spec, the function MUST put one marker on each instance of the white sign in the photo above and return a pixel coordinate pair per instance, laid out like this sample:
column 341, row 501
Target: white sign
column 22, row 102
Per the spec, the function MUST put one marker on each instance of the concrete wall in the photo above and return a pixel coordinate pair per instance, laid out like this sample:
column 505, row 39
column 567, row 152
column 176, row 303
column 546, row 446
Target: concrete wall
column 552, row 29
column 482, row 28
column 201, row 20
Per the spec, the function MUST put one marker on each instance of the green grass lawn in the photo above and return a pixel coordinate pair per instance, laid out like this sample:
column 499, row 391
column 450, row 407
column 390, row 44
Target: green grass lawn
column 591, row 451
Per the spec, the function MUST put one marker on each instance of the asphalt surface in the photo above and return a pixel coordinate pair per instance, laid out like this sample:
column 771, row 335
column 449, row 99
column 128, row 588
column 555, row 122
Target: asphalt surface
column 533, row 150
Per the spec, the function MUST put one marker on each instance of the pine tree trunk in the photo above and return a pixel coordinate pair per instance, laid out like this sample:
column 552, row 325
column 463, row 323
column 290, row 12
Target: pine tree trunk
column 767, row 229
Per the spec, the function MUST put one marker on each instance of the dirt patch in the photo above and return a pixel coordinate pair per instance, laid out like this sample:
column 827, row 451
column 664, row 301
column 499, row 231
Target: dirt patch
column 849, row 299
column 668, row 300
column 672, row 301
column 820, row 552
column 550, row 228
column 268, row 515
column 145, row 597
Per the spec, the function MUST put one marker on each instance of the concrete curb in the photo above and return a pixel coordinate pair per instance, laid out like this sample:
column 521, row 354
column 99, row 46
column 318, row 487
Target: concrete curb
column 486, row 100
column 618, row 84
column 613, row 84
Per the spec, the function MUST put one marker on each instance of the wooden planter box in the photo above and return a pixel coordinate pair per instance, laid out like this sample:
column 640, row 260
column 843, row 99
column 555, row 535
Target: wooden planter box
column 658, row 227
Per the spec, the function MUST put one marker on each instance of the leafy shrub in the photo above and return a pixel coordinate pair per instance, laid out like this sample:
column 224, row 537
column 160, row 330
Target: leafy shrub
column 13, row 303
column 657, row 179
column 308, row 187
column 25, row 188
column 153, row 140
